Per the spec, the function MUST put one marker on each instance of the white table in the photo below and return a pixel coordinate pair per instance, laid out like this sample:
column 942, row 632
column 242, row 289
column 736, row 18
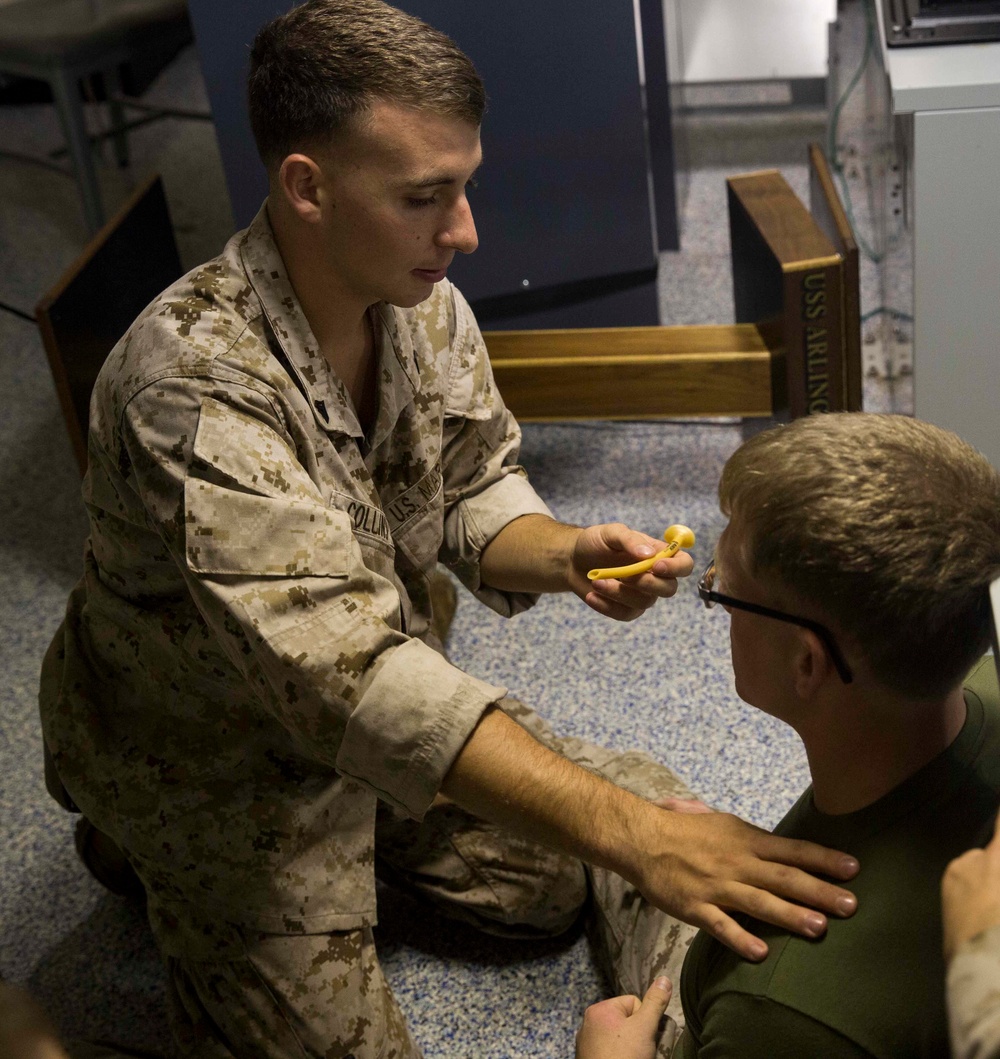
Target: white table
column 953, row 93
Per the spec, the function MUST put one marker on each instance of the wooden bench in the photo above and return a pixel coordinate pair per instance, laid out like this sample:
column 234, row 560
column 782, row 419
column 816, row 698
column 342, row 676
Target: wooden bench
column 796, row 343
column 634, row 372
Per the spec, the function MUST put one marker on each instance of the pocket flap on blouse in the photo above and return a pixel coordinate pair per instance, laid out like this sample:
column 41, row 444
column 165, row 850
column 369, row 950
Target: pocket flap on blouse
column 232, row 532
column 248, row 451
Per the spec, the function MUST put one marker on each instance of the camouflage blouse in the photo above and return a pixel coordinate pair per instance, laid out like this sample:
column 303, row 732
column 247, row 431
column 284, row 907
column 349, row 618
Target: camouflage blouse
column 246, row 665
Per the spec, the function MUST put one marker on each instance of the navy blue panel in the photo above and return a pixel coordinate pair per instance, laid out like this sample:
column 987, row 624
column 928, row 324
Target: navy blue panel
column 660, row 123
column 563, row 194
column 635, row 307
column 224, row 33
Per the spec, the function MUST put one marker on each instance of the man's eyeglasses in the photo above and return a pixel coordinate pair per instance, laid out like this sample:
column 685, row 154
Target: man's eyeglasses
column 710, row 598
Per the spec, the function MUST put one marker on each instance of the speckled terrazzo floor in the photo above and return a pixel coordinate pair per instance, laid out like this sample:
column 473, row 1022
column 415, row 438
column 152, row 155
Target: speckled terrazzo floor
column 661, row 684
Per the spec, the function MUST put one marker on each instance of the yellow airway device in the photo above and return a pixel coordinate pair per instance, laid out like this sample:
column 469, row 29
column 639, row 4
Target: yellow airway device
column 678, row 536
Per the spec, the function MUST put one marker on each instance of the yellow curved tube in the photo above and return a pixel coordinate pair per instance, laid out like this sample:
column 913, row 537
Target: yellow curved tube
column 678, row 536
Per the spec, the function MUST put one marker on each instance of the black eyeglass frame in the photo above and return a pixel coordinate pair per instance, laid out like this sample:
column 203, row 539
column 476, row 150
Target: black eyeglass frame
column 708, row 597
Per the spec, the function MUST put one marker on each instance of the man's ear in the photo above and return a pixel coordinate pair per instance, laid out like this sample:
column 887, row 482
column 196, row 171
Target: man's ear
column 300, row 179
column 812, row 663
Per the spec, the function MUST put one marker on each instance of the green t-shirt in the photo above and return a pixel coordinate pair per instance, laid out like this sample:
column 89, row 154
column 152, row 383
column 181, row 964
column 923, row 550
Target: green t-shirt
column 875, row 984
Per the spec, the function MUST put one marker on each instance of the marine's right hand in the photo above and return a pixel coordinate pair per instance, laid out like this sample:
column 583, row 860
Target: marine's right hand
column 699, row 867
column 703, row 867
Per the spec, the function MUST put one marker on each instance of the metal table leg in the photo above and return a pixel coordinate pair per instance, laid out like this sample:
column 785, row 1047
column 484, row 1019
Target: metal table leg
column 67, row 97
column 118, row 126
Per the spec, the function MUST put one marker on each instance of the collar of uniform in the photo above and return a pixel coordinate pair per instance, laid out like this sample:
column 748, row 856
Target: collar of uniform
column 267, row 275
column 398, row 377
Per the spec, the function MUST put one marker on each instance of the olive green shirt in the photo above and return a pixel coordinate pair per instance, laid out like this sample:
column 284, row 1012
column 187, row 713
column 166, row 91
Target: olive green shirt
column 875, row 984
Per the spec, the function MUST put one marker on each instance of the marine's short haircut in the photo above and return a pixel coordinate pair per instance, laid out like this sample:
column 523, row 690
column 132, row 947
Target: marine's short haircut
column 323, row 64
column 887, row 525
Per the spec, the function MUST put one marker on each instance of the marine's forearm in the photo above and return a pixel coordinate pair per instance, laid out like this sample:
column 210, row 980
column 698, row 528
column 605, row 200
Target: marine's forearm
column 530, row 554
column 503, row 774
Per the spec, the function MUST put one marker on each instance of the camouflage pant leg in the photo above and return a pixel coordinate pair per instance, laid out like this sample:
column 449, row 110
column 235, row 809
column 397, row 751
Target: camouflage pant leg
column 480, row 873
column 237, row 993
column 634, row 940
column 483, row 874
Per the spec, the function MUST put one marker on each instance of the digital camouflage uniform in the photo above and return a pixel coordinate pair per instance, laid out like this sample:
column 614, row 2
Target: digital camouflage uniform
column 246, row 693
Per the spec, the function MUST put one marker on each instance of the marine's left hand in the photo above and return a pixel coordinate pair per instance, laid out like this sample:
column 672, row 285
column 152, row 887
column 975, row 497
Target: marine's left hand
column 614, row 544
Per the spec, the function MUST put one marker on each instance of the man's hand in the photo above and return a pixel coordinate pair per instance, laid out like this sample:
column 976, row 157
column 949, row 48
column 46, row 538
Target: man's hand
column 625, row 1027
column 614, row 544
column 970, row 895
column 534, row 553
column 703, row 866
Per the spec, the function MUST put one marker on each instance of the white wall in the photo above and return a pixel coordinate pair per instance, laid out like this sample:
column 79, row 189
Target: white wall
column 747, row 40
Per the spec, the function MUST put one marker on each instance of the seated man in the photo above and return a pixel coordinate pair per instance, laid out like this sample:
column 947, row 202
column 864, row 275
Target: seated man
column 855, row 569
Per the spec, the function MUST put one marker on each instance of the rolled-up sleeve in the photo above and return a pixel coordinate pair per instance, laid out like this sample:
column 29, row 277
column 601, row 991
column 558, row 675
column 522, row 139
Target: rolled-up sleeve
column 281, row 580
column 485, row 486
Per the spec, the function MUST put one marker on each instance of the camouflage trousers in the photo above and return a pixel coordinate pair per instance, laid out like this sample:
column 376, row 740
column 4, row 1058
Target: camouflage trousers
column 237, row 992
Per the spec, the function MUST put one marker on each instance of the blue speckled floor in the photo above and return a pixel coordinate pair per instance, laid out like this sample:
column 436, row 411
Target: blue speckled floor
column 661, row 684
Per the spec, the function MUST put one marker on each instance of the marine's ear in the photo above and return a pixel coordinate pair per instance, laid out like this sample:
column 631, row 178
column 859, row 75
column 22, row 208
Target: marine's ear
column 299, row 180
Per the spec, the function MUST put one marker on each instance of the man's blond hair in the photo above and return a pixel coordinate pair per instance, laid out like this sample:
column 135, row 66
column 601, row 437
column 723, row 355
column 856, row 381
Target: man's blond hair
column 323, row 64
column 887, row 525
